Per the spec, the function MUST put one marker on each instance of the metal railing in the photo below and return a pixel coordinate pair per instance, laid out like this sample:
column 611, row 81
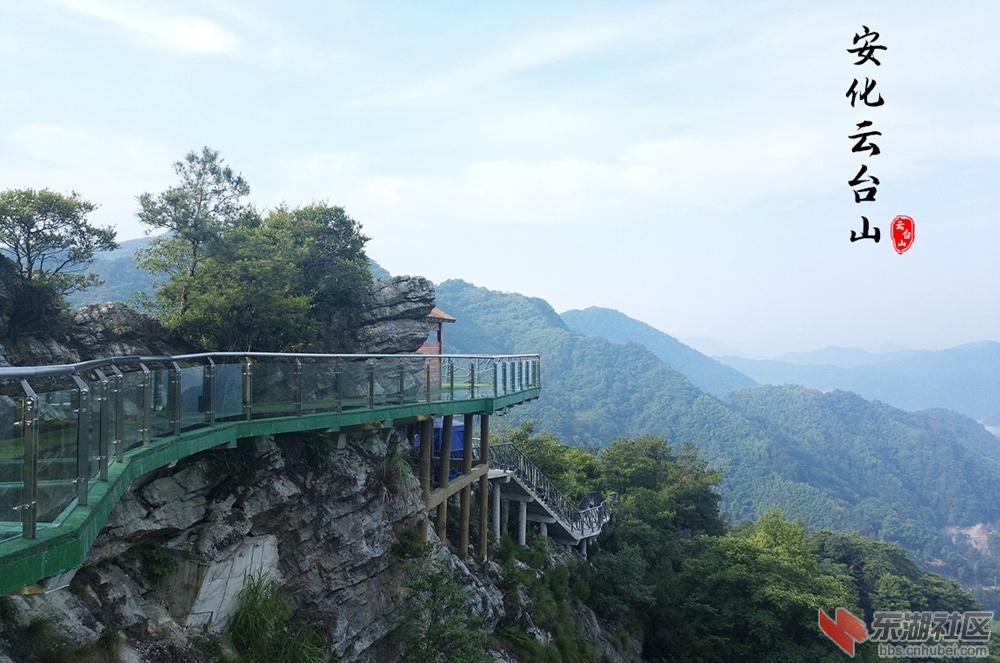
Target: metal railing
column 587, row 519
column 63, row 427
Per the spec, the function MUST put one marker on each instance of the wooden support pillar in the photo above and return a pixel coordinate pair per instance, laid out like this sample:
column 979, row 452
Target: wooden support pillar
column 426, row 452
column 484, row 483
column 583, row 548
column 496, row 511
column 444, row 467
column 543, row 527
column 522, row 523
column 466, row 501
column 505, row 517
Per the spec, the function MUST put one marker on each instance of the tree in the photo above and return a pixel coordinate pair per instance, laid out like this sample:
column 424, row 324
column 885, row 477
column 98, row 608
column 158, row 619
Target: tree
column 50, row 240
column 246, row 297
column 330, row 255
column 195, row 212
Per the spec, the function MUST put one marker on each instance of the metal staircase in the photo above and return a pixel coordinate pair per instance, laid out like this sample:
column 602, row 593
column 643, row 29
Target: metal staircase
column 576, row 522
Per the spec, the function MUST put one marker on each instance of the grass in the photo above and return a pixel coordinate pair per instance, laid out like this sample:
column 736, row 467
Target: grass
column 259, row 629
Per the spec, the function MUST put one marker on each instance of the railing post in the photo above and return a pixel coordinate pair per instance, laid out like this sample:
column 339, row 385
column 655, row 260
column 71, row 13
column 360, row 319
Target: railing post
column 118, row 392
column 104, row 432
column 496, row 383
column 472, row 380
column 401, row 378
column 208, row 391
column 29, row 470
column 247, row 389
column 338, row 379
column 298, row 387
column 146, row 385
column 82, row 439
column 370, row 367
column 427, row 381
column 175, row 396
column 451, row 380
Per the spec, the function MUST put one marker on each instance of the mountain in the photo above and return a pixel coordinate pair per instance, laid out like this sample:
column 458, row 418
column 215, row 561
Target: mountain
column 835, row 460
column 842, row 357
column 704, row 372
column 965, row 379
column 122, row 279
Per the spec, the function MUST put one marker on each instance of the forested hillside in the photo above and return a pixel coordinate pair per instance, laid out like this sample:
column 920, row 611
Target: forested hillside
column 835, row 460
column 704, row 372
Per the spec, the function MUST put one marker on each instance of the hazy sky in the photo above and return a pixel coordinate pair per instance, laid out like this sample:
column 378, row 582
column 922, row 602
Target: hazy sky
column 683, row 162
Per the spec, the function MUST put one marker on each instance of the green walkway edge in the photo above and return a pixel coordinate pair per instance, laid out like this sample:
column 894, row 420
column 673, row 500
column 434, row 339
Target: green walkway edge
column 62, row 548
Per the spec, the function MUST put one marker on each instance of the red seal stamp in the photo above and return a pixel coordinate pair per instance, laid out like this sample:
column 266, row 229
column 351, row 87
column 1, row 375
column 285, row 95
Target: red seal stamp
column 903, row 231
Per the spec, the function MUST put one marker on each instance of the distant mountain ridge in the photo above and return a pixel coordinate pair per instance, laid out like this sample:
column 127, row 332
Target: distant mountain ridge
column 965, row 379
column 704, row 372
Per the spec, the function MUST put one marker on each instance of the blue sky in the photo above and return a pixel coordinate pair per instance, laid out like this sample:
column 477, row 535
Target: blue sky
column 683, row 162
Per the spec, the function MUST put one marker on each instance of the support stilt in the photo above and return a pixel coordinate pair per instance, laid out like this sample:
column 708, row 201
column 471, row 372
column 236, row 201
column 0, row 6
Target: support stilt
column 444, row 467
column 466, row 501
column 484, row 483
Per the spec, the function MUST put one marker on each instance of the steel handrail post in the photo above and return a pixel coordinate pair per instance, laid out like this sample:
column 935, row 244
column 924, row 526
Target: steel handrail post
column 247, row 388
column 451, row 380
column 427, row 381
column 82, row 394
column 119, row 406
column 370, row 368
column 146, row 385
column 174, row 396
column 104, row 434
column 299, row 396
column 29, row 469
column 208, row 391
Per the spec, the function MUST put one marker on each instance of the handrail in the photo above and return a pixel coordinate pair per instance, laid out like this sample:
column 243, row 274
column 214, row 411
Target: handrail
column 585, row 519
column 62, row 426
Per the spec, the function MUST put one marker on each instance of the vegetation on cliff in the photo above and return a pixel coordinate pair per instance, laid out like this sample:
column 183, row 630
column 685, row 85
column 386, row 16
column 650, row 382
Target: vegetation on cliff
column 669, row 570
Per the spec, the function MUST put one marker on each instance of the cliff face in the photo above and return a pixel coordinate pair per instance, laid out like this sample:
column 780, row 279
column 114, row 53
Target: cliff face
column 310, row 513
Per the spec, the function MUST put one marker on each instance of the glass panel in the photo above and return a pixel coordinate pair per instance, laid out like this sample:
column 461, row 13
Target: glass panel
column 194, row 404
column 228, row 391
column 463, row 378
column 355, row 384
column 319, row 387
column 274, row 386
column 161, row 420
column 56, row 453
column 387, row 378
column 11, row 462
column 132, row 409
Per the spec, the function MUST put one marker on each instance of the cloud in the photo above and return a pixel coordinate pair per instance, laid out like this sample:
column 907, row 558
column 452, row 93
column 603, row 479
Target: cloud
column 160, row 28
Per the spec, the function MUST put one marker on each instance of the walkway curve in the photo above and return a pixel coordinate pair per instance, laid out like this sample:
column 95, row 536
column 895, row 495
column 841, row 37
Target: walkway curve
column 74, row 437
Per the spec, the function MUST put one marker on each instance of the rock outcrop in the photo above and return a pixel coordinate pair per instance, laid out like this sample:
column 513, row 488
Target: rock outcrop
column 392, row 320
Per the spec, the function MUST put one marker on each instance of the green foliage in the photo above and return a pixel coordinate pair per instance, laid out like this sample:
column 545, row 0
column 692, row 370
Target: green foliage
column 49, row 238
column 259, row 628
column 411, row 545
column 234, row 280
column 436, row 625
column 155, row 559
